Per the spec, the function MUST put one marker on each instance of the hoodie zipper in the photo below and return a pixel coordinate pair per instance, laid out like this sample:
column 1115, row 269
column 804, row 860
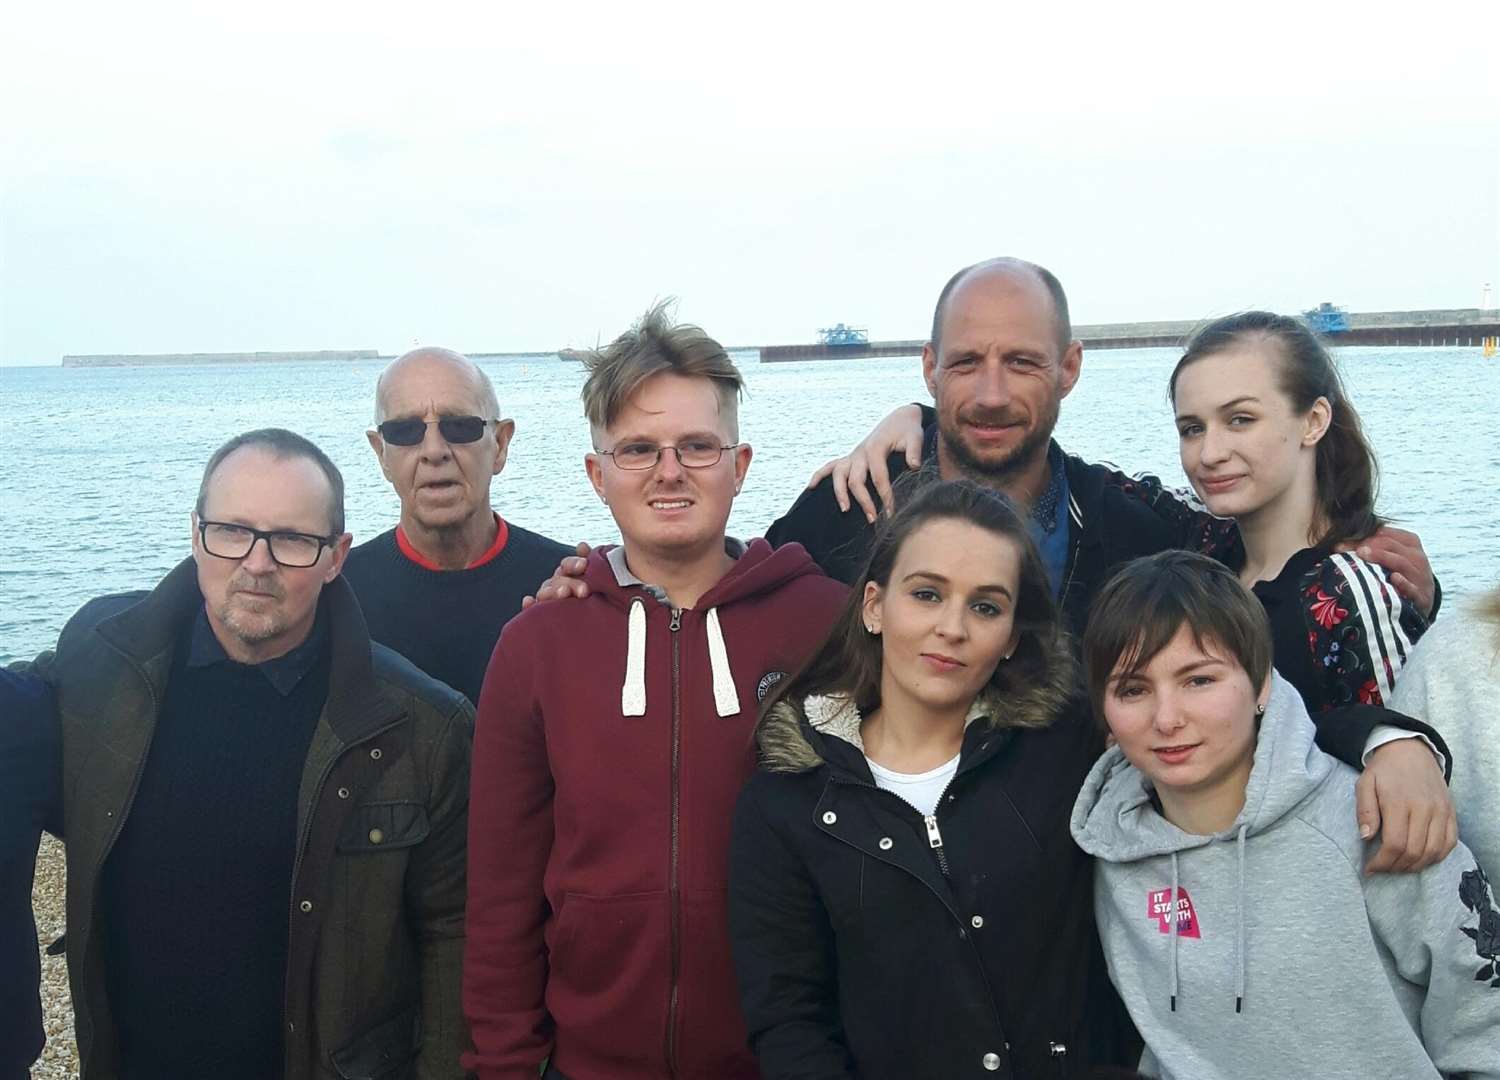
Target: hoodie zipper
column 674, row 886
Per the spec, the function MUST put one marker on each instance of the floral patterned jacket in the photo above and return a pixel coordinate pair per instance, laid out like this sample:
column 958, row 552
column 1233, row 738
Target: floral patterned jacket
column 1342, row 632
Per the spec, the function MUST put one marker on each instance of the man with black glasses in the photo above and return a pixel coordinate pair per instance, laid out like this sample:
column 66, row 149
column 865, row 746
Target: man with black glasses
column 266, row 812
column 438, row 587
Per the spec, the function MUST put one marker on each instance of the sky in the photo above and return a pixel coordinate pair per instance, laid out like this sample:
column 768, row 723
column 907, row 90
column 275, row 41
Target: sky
column 505, row 177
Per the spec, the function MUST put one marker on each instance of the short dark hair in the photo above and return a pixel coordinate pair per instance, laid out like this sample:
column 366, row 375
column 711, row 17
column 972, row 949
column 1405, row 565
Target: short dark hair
column 1347, row 476
column 655, row 344
column 1140, row 610
column 281, row 443
column 1063, row 323
column 849, row 661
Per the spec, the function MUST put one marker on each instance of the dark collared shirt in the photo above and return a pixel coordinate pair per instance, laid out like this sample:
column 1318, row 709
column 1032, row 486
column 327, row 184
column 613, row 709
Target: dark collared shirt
column 1047, row 521
column 283, row 672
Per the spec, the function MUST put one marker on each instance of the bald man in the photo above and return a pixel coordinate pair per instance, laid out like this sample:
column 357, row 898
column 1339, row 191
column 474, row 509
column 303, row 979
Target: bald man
column 439, row 586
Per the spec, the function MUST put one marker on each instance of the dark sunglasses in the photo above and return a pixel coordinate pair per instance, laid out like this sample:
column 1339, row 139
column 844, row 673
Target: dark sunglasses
column 454, row 429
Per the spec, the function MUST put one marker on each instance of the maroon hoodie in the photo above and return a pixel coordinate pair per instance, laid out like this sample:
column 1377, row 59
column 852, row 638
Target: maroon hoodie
column 614, row 734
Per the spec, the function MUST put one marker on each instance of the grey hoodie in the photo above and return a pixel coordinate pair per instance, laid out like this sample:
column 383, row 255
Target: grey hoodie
column 1283, row 959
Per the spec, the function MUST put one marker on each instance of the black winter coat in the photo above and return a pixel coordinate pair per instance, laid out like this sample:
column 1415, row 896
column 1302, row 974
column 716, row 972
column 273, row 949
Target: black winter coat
column 862, row 950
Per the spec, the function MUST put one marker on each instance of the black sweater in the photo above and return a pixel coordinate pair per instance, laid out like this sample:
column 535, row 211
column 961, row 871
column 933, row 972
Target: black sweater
column 447, row 621
column 197, row 890
column 30, row 782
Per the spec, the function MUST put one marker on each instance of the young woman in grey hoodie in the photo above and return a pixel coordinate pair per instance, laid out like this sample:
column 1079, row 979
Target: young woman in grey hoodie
column 1236, row 920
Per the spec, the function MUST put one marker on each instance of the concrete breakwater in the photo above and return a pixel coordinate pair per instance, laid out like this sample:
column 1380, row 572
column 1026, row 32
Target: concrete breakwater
column 1454, row 326
column 1469, row 327
column 165, row 359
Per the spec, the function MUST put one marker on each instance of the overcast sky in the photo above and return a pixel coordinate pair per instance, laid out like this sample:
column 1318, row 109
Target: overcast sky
column 211, row 177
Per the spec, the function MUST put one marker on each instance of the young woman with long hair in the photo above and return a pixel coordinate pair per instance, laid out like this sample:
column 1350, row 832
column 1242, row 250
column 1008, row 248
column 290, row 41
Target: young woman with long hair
column 1268, row 437
column 904, row 898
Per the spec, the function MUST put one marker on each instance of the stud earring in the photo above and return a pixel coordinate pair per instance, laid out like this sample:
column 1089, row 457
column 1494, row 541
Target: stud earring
column 871, row 630
column 1260, row 710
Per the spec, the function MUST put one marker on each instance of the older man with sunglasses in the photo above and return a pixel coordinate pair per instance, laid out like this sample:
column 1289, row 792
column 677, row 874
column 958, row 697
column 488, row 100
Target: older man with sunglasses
column 266, row 812
column 439, row 586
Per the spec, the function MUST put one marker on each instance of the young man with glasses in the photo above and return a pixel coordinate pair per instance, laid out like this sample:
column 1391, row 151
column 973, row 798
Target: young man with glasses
column 438, row 587
column 614, row 735
column 266, row 812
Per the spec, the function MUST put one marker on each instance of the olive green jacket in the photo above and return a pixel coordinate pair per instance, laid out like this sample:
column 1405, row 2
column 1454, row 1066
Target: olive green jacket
column 376, row 909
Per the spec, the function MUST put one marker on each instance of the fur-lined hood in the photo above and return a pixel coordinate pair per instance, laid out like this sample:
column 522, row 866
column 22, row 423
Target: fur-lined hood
column 784, row 746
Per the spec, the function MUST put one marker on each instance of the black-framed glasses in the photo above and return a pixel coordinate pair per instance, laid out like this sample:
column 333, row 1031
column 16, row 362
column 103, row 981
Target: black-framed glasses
column 226, row 540
column 454, row 429
column 692, row 454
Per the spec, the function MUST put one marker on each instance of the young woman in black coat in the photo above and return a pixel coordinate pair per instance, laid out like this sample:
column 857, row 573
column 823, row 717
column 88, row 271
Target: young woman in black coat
column 905, row 898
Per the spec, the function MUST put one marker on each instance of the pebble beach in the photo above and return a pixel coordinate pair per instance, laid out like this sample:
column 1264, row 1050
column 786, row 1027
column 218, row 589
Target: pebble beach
column 59, row 1060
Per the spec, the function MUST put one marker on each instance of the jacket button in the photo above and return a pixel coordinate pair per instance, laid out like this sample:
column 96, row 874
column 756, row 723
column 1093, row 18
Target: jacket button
column 977, row 922
column 375, row 754
column 376, row 836
column 343, row 793
column 886, row 843
column 305, row 906
column 829, row 817
column 991, row 1061
column 291, row 1026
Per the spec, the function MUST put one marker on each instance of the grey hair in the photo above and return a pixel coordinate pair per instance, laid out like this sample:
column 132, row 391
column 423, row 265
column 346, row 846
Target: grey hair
column 488, row 400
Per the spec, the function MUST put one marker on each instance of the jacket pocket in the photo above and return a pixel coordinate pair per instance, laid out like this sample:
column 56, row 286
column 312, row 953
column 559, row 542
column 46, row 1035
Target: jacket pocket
column 383, row 1051
column 381, row 826
column 610, row 975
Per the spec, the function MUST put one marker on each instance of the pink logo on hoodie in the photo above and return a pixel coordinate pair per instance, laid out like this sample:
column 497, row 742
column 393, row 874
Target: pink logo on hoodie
column 1159, row 906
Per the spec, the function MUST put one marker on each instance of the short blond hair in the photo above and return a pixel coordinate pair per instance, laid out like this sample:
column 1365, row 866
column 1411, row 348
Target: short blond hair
column 656, row 344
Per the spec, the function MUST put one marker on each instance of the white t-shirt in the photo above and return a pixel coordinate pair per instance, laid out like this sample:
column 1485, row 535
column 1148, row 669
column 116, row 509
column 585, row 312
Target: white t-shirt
column 922, row 790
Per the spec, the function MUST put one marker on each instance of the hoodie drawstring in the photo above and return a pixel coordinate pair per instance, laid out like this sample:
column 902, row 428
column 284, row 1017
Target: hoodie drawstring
column 1239, row 934
column 633, row 693
column 1239, row 940
column 725, row 699
column 1172, row 918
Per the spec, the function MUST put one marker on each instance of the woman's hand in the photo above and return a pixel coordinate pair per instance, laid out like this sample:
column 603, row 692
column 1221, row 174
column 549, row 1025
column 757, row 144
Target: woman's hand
column 1399, row 553
column 1401, row 795
column 865, row 465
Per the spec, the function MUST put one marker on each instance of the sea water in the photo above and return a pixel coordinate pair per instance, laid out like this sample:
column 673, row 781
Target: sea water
column 101, row 465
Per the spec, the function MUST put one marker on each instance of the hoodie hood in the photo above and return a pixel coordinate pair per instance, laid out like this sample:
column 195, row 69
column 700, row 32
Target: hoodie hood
column 759, row 569
column 1114, row 818
column 791, row 737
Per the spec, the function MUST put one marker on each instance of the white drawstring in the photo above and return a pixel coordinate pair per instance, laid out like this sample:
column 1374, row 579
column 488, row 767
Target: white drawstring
column 725, row 699
column 1173, row 920
column 633, row 693
column 1239, row 941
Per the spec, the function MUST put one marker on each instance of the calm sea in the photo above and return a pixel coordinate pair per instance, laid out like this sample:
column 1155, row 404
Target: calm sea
column 101, row 465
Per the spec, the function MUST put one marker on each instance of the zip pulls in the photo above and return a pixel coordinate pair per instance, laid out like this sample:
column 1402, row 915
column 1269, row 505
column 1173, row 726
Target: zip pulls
column 935, row 841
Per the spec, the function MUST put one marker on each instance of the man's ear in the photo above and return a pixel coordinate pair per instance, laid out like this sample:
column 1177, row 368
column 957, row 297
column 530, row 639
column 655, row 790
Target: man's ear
column 742, row 455
column 504, row 431
column 377, row 444
column 593, row 465
column 929, row 369
column 1070, row 368
column 338, row 552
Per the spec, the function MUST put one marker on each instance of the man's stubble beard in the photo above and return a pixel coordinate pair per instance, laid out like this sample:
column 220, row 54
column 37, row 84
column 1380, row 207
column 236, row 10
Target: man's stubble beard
column 996, row 472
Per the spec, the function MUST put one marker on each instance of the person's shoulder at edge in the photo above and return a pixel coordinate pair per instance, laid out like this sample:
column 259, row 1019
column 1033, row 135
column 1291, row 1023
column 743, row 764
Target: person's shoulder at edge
column 405, row 677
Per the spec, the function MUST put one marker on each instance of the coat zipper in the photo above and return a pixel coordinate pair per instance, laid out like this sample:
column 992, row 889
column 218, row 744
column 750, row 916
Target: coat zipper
column 674, row 886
